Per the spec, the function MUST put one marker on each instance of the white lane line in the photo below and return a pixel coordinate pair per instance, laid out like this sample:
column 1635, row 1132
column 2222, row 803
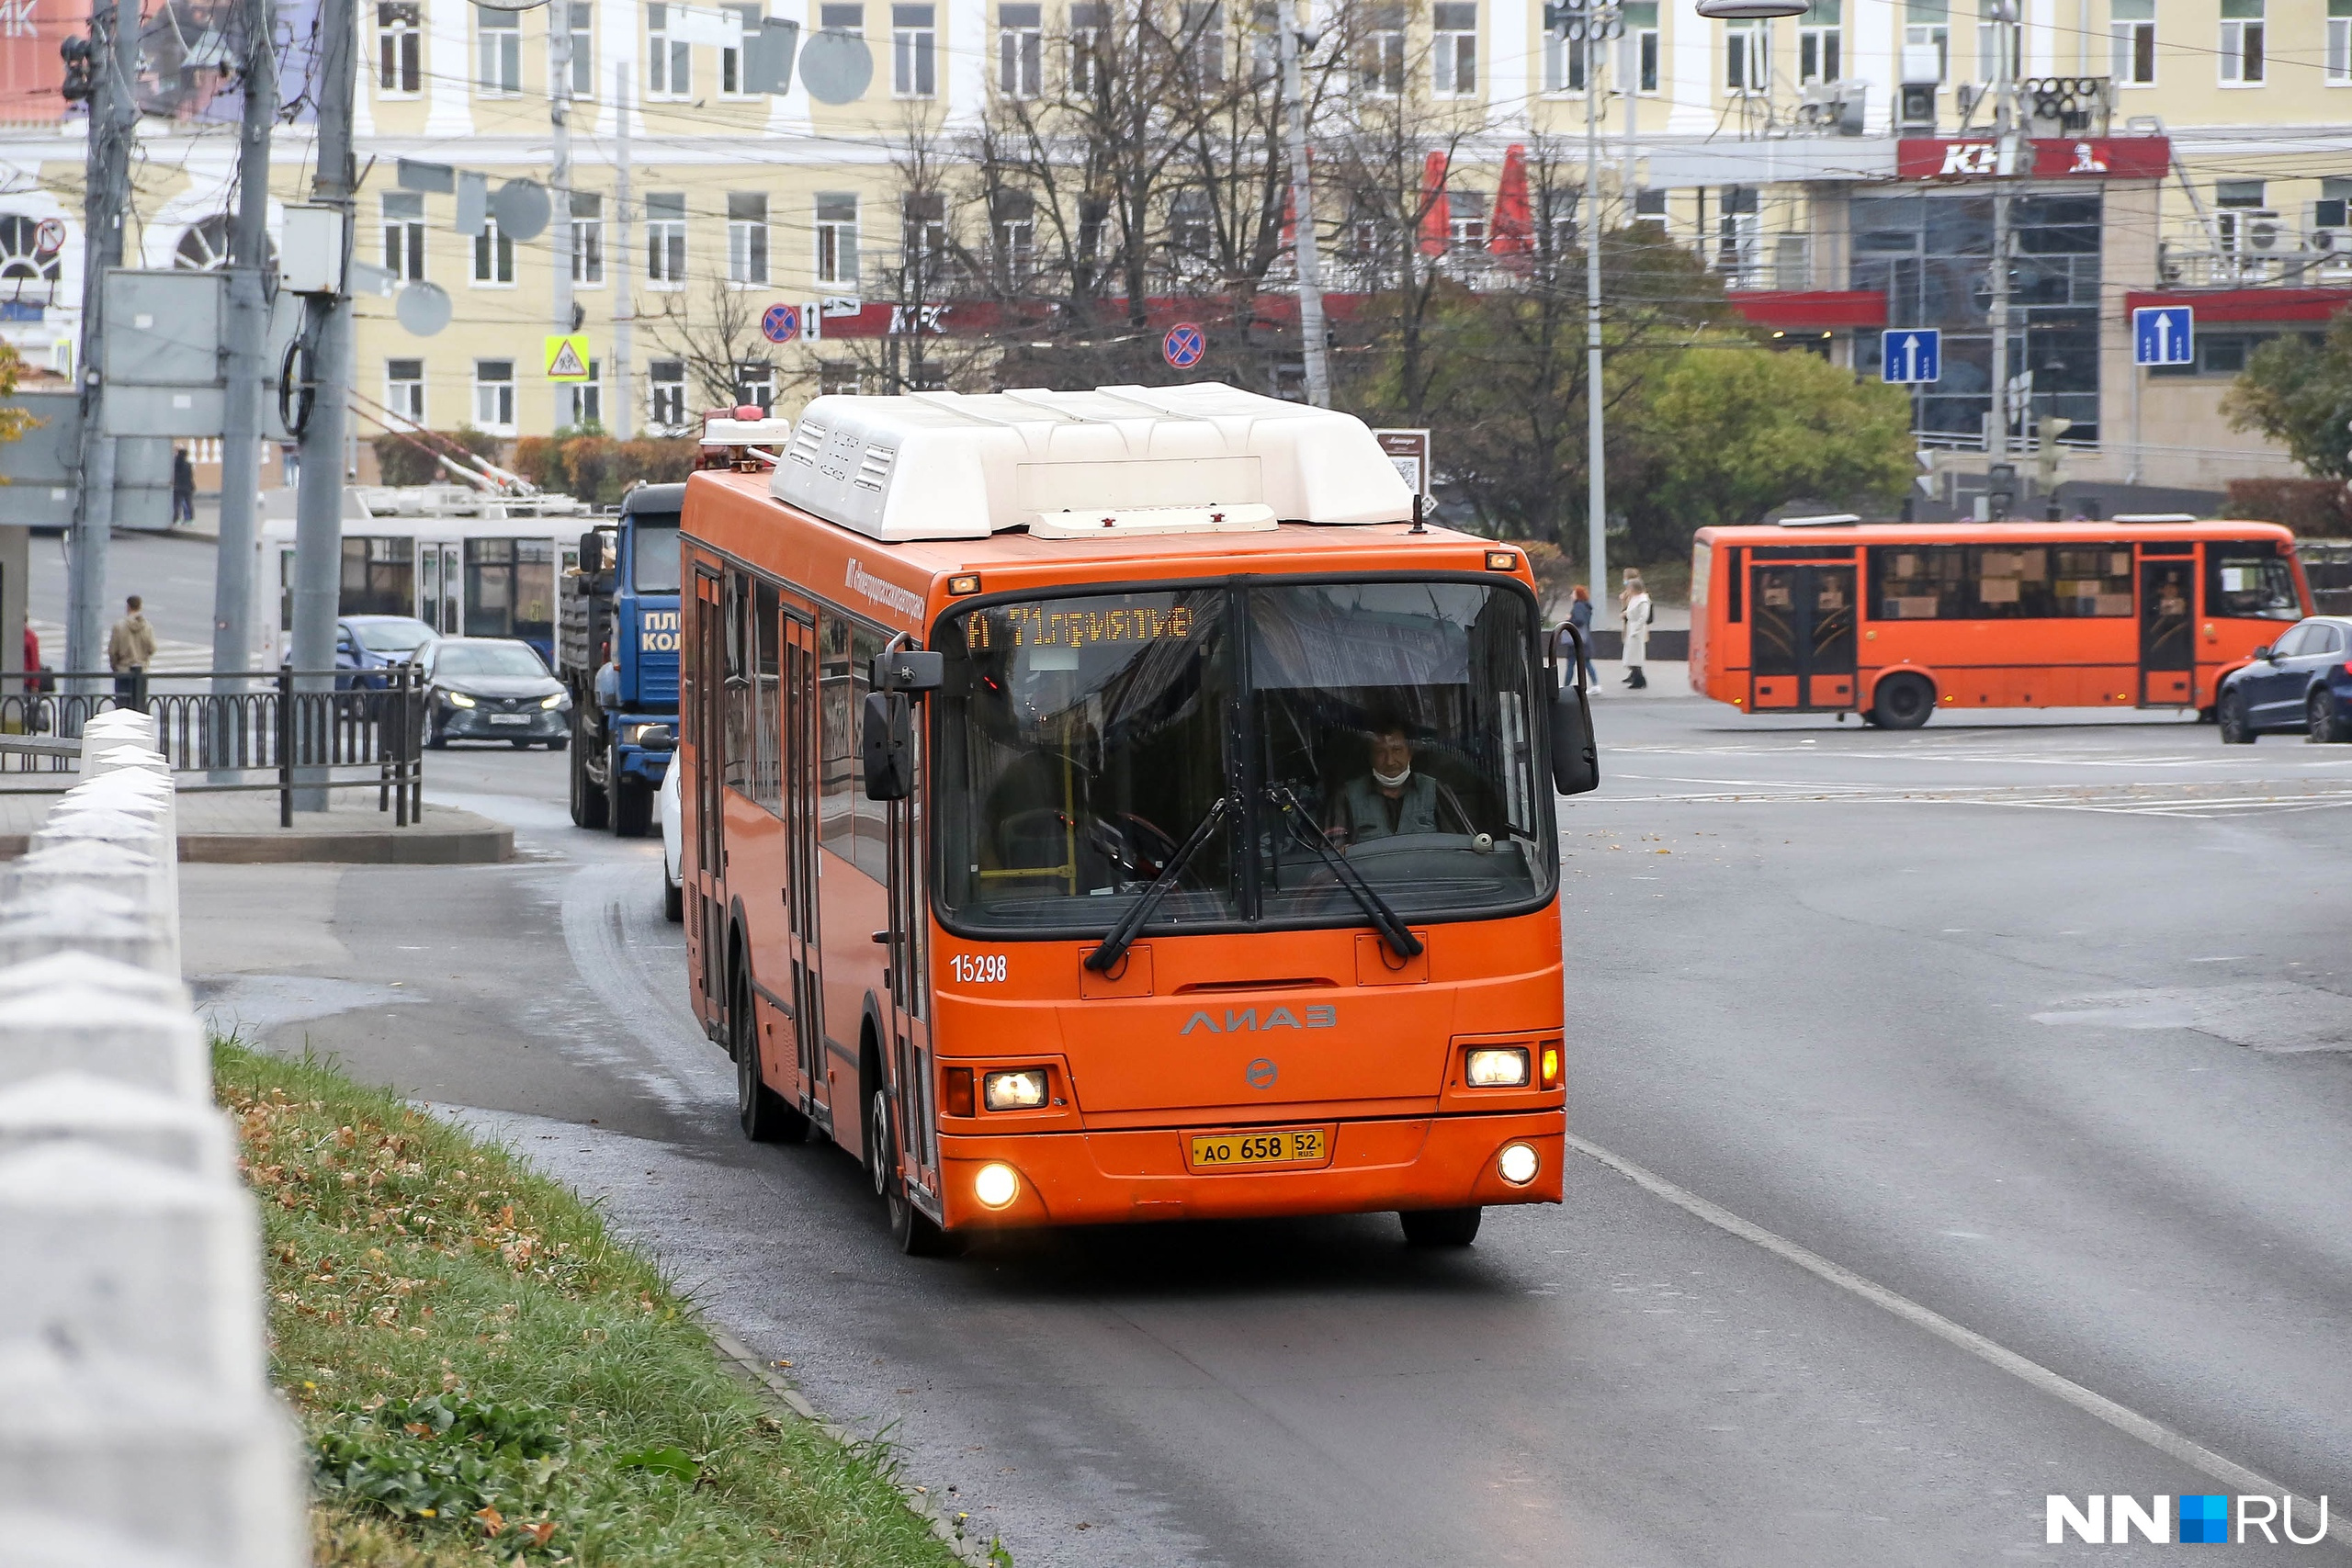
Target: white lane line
column 2131, row 1423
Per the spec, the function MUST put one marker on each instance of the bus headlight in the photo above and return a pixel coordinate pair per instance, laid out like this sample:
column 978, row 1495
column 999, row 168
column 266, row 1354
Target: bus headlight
column 1497, row 1067
column 1517, row 1164
column 996, row 1186
column 1022, row 1091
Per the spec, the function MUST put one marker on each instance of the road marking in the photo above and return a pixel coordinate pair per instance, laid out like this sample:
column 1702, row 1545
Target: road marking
column 2131, row 1423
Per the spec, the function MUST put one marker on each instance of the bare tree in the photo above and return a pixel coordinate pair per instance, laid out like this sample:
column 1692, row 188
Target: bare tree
column 720, row 343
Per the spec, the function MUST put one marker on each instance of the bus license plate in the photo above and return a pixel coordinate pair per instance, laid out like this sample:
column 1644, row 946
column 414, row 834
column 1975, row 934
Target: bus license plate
column 1223, row 1151
column 510, row 719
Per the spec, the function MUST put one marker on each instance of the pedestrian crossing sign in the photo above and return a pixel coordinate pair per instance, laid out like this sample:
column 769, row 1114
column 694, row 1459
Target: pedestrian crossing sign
column 567, row 357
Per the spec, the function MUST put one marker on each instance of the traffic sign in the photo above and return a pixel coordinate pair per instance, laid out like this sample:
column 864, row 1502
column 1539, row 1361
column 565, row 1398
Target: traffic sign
column 781, row 323
column 567, row 357
column 2163, row 334
column 1184, row 346
column 1911, row 355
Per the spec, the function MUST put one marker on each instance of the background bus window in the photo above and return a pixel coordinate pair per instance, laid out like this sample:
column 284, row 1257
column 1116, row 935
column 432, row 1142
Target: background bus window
column 378, row 577
column 509, row 588
column 2250, row 581
column 767, row 735
column 848, row 824
column 1998, row 583
column 1920, row 582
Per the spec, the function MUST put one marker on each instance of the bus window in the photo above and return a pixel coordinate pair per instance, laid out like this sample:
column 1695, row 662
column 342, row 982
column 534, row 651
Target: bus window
column 767, row 723
column 378, row 576
column 509, row 588
column 847, row 823
column 1998, row 582
column 2250, row 581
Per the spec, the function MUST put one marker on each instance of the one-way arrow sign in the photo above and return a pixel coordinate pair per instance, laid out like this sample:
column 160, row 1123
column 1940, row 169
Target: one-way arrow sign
column 1911, row 355
column 2163, row 334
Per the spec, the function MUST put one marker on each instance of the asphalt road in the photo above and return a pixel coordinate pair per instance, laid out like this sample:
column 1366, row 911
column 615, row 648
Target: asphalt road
column 2045, row 1027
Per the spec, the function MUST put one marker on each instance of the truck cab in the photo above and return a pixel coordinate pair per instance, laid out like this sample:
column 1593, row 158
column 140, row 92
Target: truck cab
column 617, row 655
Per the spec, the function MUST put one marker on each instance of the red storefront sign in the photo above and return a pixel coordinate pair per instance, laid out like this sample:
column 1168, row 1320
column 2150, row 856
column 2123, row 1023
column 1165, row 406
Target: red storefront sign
column 2078, row 157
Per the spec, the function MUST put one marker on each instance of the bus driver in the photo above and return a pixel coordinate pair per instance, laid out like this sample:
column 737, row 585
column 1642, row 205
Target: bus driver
column 1392, row 799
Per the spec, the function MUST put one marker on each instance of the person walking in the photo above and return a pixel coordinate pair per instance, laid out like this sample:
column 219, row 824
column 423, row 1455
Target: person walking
column 131, row 648
column 1580, row 617
column 1637, row 612
column 183, row 488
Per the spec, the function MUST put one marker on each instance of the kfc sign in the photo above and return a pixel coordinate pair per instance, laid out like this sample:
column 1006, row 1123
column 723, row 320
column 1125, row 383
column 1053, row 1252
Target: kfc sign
column 2052, row 158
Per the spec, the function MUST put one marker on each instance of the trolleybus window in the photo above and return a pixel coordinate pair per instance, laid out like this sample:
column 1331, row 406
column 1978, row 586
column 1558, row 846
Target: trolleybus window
column 655, row 567
column 2250, row 581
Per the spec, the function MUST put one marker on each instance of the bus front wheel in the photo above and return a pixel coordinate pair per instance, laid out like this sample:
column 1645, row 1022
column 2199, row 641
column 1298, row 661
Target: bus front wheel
column 1904, row 701
column 914, row 1232
column 1441, row 1227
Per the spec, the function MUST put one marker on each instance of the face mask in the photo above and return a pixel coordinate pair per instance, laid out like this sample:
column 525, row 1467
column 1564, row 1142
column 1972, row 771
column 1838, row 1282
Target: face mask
column 1393, row 781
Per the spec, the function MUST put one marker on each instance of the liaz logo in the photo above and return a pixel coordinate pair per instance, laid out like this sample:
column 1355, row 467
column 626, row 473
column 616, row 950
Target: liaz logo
column 1239, row 1021
column 2205, row 1519
column 657, row 631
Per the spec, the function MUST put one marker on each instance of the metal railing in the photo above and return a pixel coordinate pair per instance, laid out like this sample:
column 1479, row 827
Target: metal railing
column 304, row 729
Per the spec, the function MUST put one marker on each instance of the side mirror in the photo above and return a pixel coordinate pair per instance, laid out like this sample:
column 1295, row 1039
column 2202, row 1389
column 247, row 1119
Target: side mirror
column 909, row 671
column 886, row 745
column 2267, row 651
column 1576, row 759
column 592, row 552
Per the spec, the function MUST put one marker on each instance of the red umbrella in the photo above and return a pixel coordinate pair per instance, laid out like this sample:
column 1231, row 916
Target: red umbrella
column 1437, row 216
column 1511, row 232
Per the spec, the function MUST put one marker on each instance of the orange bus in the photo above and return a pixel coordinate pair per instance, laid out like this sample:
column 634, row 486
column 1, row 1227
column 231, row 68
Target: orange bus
column 1115, row 806
column 1894, row 621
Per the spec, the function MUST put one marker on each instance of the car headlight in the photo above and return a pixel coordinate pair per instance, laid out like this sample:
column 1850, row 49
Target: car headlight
column 557, row 701
column 1499, row 1067
column 458, row 699
column 1022, row 1091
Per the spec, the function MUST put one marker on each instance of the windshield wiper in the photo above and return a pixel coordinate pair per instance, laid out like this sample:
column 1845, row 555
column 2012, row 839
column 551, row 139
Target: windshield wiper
column 1123, row 935
column 1384, row 919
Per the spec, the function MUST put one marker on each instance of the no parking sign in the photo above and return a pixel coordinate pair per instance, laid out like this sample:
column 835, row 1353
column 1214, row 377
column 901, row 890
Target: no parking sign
column 1184, row 346
column 781, row 323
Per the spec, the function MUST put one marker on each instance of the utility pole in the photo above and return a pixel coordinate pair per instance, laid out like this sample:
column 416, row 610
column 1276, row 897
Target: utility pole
column 248, row 326
column 1312, row 339
column 318, row 518
column 2006, row 153
column 105, row 203
column 1588, row 24
column 559, row 158
column 623, row 258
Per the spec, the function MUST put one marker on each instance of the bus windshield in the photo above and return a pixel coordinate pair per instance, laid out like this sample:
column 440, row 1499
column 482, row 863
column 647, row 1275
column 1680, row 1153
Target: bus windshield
column 656, row 569
column 1083, row 739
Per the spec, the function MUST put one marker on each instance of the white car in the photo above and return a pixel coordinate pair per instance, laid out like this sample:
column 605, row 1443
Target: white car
column 673, row 845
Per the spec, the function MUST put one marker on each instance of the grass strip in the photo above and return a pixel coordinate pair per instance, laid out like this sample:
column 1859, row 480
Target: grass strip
column 484, row 1375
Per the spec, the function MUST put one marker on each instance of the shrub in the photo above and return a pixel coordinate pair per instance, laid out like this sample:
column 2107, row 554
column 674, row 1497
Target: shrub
column 2312, row 508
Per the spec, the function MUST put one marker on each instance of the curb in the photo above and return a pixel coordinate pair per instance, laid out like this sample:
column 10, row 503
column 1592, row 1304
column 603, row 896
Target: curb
column 738, row 1359
column 389, row 846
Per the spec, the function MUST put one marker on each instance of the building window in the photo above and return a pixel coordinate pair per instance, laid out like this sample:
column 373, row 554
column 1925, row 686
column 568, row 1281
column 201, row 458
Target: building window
column 2333, row 208
column 1085, row 43
column 837, row 378
column 587, row 237
column 1015, row 221
column 914, row 51
column 1020, row 50
column 1746, row 68
column 399, row 29
column 582, row 402
column 1641, row 27
column 583, row 16
column 22, row 252
column 1927, row 32
column 1204, row 41
column 404, row 234
column 498, row 58
column 732, row 83
column 669, row 59
column 493, row 256
column 666, row 409
column 1380, row 63
column 2338, row 72
column 756, row 383
column 1820, row 43
column 1454, row 49
column 837, row 237
column 922, row 238
column 665, row 240
column 1465, row 220
column 2242, row 30
column 1563, row 64
column 404, row 389
column 1988, row 49
column 494, row 396
column 747, row 237
column 2132, row 30
column 1188, row 221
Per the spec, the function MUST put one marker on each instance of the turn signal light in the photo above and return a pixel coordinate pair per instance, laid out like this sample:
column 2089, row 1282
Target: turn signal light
column 1502, row 560
column 955, row 1091
column 964, row 582
column 1551, row 1067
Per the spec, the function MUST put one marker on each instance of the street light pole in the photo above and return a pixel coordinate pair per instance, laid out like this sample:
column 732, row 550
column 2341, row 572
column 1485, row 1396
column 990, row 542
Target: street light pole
column 1311, row 334
column 1586, row 25
column 2007, row 151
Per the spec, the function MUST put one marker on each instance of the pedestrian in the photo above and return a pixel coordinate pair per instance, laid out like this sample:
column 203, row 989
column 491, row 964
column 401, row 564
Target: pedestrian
column 1636, row 615
column 1580, row 617
column 183, row 488
column 131, row 648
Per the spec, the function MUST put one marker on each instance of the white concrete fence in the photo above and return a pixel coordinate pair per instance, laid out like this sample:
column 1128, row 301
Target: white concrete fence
column 137, row 1426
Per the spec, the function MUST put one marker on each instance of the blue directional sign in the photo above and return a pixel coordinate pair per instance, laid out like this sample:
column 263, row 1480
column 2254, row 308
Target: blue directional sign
column 1911, row 355
column 2163, row 334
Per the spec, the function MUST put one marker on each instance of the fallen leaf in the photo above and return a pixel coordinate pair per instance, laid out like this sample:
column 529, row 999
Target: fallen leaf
column 492, row 1521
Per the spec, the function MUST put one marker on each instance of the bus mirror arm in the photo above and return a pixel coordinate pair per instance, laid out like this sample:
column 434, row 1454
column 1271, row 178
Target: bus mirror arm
column 908, row 670
column 888, row 737
column 1575, row 758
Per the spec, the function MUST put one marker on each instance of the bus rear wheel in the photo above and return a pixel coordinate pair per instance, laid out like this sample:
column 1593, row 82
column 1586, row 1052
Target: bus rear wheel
column 764, row 1114
column 1904, row 701
column 1441, row 1227
column 914, row 1232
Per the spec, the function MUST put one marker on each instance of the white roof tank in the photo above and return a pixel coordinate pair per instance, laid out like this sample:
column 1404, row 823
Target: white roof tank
column 1117, row 460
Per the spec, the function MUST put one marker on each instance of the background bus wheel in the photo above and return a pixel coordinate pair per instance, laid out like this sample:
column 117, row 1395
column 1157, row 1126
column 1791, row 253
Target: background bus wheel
column 1441, row 1227
column 587, row 797
column 2236, row 728
column 910, row 1228
column 1904, row 701
column 2325, row 727
column 764, row 1116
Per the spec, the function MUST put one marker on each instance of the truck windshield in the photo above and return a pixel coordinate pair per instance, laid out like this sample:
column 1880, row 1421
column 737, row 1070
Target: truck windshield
column 656, row 569
column 1082, row 739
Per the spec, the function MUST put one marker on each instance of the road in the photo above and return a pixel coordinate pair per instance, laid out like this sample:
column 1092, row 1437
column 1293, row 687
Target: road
column 2043, row 1027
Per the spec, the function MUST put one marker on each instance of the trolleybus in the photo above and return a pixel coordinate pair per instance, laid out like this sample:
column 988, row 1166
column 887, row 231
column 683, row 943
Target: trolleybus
column 1898, row 621
column 1113, row 805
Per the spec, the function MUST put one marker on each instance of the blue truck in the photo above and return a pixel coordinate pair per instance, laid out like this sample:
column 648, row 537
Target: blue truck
column 616, row 652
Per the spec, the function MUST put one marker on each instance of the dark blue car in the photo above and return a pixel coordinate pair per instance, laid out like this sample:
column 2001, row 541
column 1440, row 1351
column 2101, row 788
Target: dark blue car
column 2302, row 681
column 369, row 645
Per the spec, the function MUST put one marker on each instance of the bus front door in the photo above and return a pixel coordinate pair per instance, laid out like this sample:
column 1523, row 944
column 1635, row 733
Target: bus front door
column 1802, row 636
column 709, row 889
column 801, row 858
column 2167, row 654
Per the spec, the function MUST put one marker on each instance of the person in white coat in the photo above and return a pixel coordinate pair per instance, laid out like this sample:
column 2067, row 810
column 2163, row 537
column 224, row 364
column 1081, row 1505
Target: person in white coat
column 1635, row 605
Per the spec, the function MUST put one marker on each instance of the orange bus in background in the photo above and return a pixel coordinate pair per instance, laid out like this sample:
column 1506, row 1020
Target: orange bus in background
column 1114, row 805
column 1896, row 621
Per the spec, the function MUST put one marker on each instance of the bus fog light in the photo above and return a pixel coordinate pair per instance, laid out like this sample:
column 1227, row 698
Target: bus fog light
column 996, row 1184
column 1516, row 1163
column 1023, row 1090
column 1498, row 1068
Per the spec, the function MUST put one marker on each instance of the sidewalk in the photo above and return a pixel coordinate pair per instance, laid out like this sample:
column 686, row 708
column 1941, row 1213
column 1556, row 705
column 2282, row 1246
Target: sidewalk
column 241, row 828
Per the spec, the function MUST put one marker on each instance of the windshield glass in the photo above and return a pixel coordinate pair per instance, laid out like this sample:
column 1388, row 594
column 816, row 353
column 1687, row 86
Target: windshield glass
column 657, row 552
column 487, row 659
column 2251, row 581
column 392, row 637
column 1082, row 739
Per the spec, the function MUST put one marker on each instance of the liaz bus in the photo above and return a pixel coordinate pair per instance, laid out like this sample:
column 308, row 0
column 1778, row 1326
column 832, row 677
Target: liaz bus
column 1896, row 621
column 1114, row 805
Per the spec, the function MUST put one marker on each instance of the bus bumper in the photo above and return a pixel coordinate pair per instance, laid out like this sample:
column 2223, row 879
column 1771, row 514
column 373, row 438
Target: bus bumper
column 1428, row 1162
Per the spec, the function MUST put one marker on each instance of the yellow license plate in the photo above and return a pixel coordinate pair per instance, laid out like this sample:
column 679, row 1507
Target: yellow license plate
column 1225, row 1151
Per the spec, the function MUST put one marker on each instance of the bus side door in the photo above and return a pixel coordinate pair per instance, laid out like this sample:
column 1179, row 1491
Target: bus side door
column 708, row 920
column 910, row 977
column 800, row 891
column 2167, row 655
column 1801, row 645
